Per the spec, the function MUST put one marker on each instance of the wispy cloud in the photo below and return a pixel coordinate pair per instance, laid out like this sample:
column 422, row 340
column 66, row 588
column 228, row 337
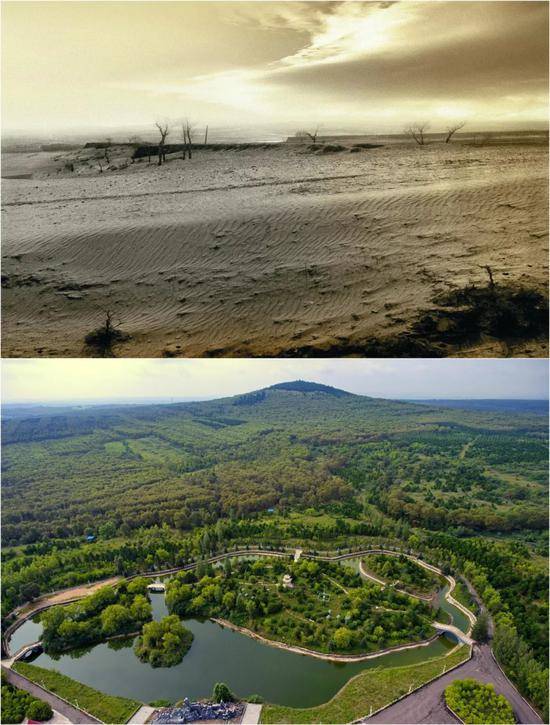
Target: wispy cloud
column 336, row 33
column 351, row 30
column 367, row 65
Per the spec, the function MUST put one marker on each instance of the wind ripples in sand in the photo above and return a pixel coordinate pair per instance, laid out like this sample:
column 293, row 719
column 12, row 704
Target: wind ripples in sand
column 259, row 269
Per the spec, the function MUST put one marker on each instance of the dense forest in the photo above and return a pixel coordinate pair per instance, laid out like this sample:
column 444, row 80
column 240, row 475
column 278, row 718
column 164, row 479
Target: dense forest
column 122, row 490
column 109, row 612
column 403, row 573
column 119, row 469
column 325, row 607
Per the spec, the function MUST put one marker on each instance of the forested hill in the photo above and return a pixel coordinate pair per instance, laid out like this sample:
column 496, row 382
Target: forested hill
column 303, row 386
column 291, row 446
column 282, row 403
column 297, row 403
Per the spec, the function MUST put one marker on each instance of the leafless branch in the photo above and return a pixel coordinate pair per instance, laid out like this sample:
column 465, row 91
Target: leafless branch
column 187, row 129
column 451, row 130
column 312, row 135
column 164, row 130
column 417, row 131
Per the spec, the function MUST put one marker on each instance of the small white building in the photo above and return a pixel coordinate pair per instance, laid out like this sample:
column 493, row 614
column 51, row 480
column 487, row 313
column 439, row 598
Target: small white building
column 287, row 581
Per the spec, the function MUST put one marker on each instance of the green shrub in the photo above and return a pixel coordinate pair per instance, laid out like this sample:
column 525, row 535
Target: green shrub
column 18, row 704
column 107, row 708
column 39, row 710
column 222, row 693
column 164, row 643
column 478, row 704
column 14, row 704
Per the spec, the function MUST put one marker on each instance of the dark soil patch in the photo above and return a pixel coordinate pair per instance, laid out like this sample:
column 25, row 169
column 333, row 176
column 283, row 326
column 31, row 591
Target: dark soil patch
column 463, row 317
column 19, row 280
column 101, row 341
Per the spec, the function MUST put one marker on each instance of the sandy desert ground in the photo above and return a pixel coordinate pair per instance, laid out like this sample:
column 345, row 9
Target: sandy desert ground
column 264, row 251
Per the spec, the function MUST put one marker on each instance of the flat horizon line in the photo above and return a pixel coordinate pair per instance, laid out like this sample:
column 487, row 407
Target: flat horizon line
column 188, row 399
column 79, row 131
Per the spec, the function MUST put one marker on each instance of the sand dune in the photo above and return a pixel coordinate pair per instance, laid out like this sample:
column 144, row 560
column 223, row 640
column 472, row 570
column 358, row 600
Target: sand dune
column 264, row 251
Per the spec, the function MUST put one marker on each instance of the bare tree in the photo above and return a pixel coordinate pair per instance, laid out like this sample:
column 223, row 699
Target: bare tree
column 184, row 137
column 489, row 271
column 101, row 340
column 187, row 136
column 312, row 136
column 451, row 130
column 164, row 130
column 417, row 131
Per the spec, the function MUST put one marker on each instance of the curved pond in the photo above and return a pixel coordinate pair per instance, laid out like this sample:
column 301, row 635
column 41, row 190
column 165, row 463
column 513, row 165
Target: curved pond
column 217, row 655
column 30, row 631
column 457, row 617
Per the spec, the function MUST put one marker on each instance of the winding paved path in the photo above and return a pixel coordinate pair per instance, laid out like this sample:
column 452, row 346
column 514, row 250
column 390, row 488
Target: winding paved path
column 73, row 714
column 426, row 705
column 423, row 706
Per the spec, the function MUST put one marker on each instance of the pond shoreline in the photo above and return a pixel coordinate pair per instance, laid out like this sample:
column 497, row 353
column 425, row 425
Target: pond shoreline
column 43, row 602
column 323, row 655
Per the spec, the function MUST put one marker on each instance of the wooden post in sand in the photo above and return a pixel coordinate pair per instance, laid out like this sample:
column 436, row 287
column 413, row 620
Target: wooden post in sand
column 205, row 135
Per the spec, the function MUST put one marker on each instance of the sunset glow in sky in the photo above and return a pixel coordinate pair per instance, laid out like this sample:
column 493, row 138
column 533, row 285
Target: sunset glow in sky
column 372, row 66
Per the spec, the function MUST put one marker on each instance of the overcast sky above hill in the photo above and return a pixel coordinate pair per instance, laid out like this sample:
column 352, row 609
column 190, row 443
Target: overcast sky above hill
column 354, row 65
column 35, row 380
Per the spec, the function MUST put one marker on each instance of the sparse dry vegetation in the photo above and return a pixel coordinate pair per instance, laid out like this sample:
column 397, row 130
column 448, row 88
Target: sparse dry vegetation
column 101, row 341
column 417, row 131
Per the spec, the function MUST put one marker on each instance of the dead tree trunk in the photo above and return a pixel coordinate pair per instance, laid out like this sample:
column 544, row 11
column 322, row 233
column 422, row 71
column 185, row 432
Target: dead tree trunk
column 187, row 136
column 313, row 136
column 164, row 131
column 490, row 275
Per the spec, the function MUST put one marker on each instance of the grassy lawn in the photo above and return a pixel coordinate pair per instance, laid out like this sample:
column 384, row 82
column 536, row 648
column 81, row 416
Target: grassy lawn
column 374, row 688
column 107, row 708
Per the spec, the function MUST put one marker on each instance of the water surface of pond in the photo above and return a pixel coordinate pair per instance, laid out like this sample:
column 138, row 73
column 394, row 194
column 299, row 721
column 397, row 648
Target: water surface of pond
column 218, row 655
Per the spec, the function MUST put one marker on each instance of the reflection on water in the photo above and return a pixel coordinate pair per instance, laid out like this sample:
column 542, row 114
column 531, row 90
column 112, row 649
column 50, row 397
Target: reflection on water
column 458, row 618
column 29, row 632
column 219, row 655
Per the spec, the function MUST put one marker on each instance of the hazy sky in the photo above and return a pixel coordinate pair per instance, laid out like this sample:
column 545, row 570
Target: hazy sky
column 369, row 66
column 80, row 379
